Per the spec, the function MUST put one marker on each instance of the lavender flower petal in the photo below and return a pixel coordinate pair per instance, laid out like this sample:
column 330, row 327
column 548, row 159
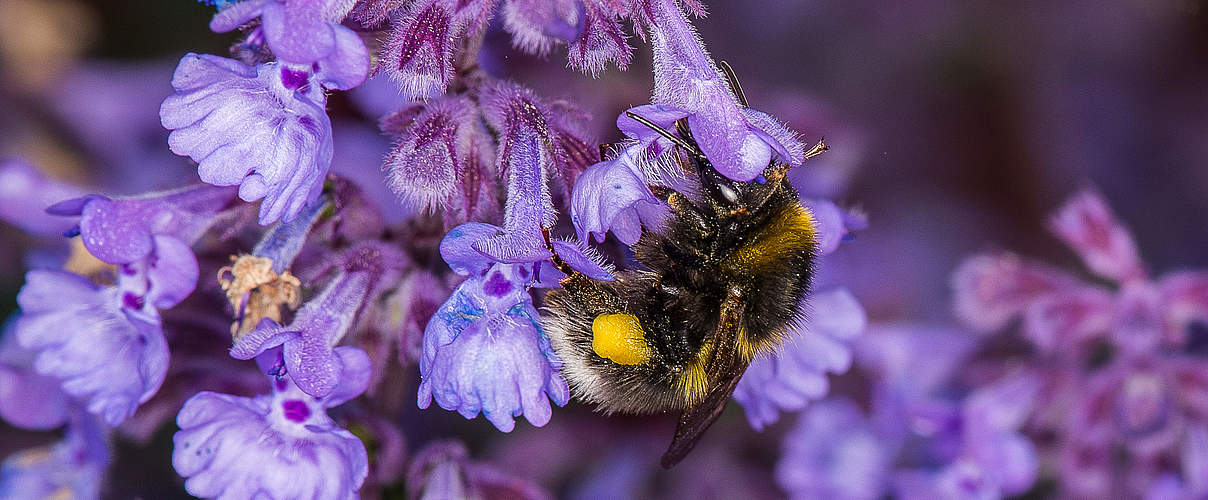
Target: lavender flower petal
column 583, row 260
column 457, row 248
column 309, row 341
column 116, row 362
column 484, row 351
column 281, row 445
column 614, row 196
column 282, row 158
column 1088, row 226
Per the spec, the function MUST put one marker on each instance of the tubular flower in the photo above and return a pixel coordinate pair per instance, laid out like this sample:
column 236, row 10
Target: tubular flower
column 484, row 349
column 309, row 342
column 262, row 128
column 442, row 158
column 114, row 362
column 740, row 142
column 277, row 445
column 1119, row 357
column 305, row 32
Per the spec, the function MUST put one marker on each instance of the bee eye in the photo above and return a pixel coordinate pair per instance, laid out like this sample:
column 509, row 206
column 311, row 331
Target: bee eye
column 718, row 186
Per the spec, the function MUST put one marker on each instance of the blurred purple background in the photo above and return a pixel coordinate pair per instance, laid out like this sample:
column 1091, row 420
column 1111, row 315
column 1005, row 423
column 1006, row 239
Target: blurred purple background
column 957, row 126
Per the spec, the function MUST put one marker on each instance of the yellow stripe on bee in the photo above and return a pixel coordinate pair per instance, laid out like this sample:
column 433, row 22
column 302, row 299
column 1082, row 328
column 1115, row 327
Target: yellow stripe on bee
column 790, row 231
column 694, row 383
column 619, row 338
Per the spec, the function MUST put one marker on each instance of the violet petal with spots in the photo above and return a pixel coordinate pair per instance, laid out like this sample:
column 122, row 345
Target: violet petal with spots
column 485, row 352
column 280, row 445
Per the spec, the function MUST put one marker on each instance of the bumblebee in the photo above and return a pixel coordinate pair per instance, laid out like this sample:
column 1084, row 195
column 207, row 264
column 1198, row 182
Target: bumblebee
column 723, row 281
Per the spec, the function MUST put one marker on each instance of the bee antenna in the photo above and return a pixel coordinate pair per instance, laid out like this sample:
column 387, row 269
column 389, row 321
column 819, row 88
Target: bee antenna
column 734, row 85
column 817, row 149
column 663, row 132
column 558, row 262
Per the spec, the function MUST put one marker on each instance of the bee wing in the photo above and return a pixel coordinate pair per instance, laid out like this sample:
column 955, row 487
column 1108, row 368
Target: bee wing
column 726, row 367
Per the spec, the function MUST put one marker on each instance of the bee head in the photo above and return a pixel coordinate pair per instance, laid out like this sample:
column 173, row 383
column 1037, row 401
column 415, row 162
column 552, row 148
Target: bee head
column 728, row 195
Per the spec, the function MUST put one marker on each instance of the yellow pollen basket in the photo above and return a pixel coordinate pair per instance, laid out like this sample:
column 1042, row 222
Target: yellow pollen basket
column 619, row 337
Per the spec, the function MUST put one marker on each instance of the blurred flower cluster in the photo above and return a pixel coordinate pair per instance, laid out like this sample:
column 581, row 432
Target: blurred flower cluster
column 384, row 198
column 277, row 310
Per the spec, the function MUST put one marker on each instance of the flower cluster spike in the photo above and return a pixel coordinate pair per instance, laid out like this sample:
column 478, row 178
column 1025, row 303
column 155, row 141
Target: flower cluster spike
column 1116, row 358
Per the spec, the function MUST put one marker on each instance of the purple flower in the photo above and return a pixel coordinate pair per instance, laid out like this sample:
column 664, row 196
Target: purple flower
column 519, row 116
column 28, row 400
column 104, row 344
column 24, row 195
column 834, row 224
column 278, row 445
column 309, row 342
column 1088, row 226
column 740, row 142
column 833, row 452
column 124, row 230
column 614, row 196
column 1115, row 361
column 305, row 32
column 1062, row 314
column 419, row 52
column 263, row 129
column 789, row 379
column 443, row 157
column 443, row 470
column 484, row 351
column 991, row 419
column 71, row 468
